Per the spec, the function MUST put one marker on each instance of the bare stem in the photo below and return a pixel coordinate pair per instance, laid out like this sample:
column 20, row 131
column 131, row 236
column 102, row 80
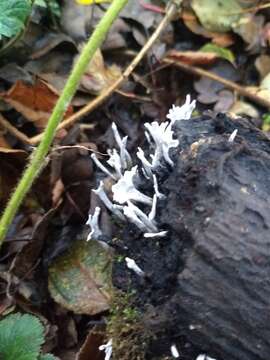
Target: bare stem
column 38, row 159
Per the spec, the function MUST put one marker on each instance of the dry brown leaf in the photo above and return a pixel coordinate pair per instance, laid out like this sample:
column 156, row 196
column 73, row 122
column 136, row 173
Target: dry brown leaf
column 99, row 76
column 193, row 57
column 34, row 102
column 192, row 23
column 90, row 347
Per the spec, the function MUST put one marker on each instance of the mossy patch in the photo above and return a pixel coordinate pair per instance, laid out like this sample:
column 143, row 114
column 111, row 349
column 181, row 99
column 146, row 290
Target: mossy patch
column 125, row 327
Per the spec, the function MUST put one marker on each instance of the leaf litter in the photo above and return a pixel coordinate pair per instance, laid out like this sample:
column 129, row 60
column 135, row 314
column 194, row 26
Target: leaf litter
column 46, row 262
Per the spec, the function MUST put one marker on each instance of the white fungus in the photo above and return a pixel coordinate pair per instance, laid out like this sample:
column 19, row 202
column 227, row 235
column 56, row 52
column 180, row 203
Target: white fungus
column 162, row 136
column 174, row 351
column 124, row 190
column 102, row 167
column 122, row 144
column 204, row 357
column 107, row 348
column 115, row 162
column 147, row 166
column 182, row 112
column 131, row 264
column 93, row 223
column 159, row 234
column 115, row 209
column 233, row 136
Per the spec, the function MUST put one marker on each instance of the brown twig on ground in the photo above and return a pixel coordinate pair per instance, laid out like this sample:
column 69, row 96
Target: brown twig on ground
column 227, row 83
column 172, row 9
column 18, row 134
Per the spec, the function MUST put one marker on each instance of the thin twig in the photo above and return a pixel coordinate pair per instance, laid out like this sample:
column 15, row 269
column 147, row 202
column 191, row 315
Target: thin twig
column 227, row 83
column 10, row 128
column 106, row 93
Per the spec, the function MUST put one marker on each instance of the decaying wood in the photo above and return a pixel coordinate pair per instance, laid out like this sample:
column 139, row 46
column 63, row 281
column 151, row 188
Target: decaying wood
column 219, row 197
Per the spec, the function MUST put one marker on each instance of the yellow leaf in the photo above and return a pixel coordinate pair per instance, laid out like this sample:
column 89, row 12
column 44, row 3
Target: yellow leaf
column 90, row 2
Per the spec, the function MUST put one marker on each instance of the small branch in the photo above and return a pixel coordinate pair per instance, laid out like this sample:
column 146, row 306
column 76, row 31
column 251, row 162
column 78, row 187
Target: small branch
column 38, row 159
column 106, row 93
column 227, row 83
column 18, row 134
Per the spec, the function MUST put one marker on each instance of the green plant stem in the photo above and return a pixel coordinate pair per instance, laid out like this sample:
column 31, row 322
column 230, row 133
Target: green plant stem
column 38, row 158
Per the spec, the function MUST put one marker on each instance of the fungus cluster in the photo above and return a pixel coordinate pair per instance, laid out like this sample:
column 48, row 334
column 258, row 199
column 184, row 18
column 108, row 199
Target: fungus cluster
column 125, row 174
column 129, row 204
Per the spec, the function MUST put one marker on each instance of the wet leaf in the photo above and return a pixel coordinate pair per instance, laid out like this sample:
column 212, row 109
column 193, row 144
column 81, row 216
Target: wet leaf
column 217, row 15
column 219, row 51
column 80, row 280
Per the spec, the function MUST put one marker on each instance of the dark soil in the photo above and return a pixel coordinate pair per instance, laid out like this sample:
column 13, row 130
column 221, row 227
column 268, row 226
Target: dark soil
column 208, row 282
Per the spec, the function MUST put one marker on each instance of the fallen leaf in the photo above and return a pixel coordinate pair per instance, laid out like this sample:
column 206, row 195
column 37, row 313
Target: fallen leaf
column 217, row 15
column 221, row 52
column 34, row 102
column 225, row 101
column 79, row 21
column 192, row 23
column 193, row 57
column 242, row 108
column 80, row 280
column 98, row 76
column 262, row 64
column 208, row 89
column 250, row 28
column 90, row 347
column 12, row 163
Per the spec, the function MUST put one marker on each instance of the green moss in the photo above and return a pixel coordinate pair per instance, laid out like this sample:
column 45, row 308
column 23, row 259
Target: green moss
column 125, row 327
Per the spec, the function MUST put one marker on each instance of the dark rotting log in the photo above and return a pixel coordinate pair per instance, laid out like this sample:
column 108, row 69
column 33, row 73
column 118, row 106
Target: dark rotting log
column 207, row 288
column 219, row 194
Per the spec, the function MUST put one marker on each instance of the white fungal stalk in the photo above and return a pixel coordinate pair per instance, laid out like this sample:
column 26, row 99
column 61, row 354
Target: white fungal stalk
column 158, row 194
column 182, row 112
column 126, row 161
column 148, row 223
column 159, row 136
column 124, row 190
column 153, row 211
column 115, row 209
column 204, row 357
column 134, row 219
column 174, row 351
column 131, row 264
column 107, row 348
column 115, row 162
column 159, row 234
column 162, row 135
column 93, row 223
column 102, row 167
column 233, row 136
column 147, row 166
